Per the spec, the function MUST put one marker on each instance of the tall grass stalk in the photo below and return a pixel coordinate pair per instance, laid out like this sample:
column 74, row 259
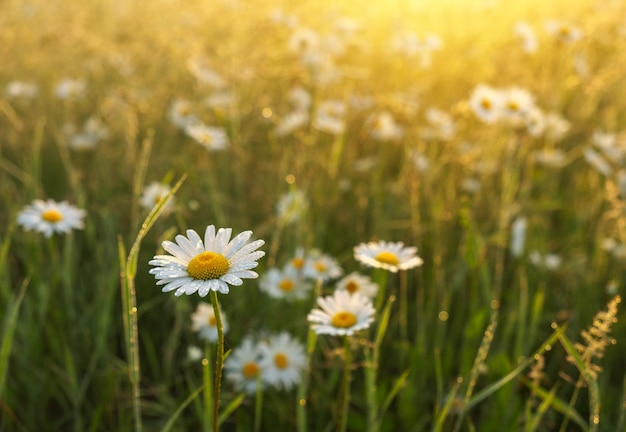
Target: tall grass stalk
column 128, row 271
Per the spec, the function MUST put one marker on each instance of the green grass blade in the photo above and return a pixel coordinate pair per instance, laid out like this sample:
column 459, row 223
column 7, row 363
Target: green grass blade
column 558, row 404
column 179, row 410
column 8, row 333
column 230, row 408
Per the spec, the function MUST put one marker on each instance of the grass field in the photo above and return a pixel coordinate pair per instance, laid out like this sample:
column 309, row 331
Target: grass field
column 489, row 135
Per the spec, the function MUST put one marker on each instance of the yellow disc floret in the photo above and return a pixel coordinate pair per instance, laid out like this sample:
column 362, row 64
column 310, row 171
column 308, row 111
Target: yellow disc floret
column 250, row 370
column 208, row 265
column 343, row 320
column 286, row 285
column 281, row 361
column 352, row 287
column 52, row 215
column 387, row 258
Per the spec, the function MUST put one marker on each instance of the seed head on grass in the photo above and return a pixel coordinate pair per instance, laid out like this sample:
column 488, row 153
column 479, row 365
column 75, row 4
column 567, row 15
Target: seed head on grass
column 212, row 265
column 342, row 314
column 597, row 337
column 49, row 217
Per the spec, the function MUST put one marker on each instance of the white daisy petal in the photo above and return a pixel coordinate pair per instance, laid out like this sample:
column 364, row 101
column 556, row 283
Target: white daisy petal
column 236, row 243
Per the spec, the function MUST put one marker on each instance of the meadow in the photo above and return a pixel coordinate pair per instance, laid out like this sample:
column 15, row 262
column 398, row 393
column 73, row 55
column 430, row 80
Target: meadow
column 487, row 137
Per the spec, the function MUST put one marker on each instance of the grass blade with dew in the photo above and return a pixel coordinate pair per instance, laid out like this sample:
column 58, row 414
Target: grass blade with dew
column 128, row 270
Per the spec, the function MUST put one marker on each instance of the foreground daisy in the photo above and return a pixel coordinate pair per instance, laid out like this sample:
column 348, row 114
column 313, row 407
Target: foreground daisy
column 50, row 217
column 341, row 314
column 206, row 266
column 282, row 360
column 204, row 322
column 387, row 255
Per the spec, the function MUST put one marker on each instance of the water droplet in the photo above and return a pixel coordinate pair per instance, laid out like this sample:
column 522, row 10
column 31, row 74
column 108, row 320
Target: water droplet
column 266, row 112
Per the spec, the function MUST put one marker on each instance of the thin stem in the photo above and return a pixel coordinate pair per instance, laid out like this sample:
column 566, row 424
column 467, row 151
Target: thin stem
column 258, row 405
column 404, row 334
column 380, row 277
column 345, row 388
column 219, row 360
column 208, row 389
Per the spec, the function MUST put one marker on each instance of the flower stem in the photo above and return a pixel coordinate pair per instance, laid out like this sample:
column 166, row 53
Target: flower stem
column 345, row 388
column 380, row 277
column 219, row 360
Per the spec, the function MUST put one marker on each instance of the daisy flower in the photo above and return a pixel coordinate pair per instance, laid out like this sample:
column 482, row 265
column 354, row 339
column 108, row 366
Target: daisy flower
column 21, row 89
column 299, row 260
column 329, row 117
column 288, row 284
column 153, row 194
column 387, row 255
column 358, row 283
column 70, row 88
column 282, row 361
column 341, row 314
column 487, row 103
column 204, row 322
column 48, row 217
column 204, row 266
column 527, row 36
column 243, row 366
column 319, row 265
column 181, row 113
column 385, row 128
column 210, row 137
column 292, row 206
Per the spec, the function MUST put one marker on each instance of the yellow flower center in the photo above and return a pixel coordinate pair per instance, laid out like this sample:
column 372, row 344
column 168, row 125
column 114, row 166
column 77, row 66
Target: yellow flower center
column 297, row 263
column 208, row 265
column 320, row 267
column 250, row 370
column 486, row 104
column 343, row 319
column 352, row 287
column 286, row 285
column 52, row 215
column 387, row 258
column 211, row 321
column 281, row 361
column 513, row 106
